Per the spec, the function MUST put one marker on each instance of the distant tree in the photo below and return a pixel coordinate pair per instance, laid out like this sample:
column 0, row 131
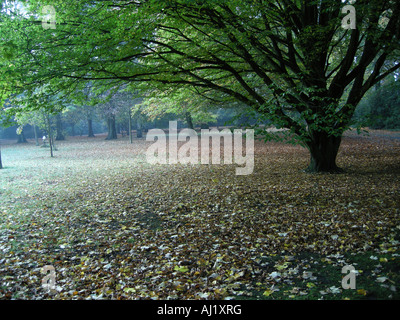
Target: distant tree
column 112, row 129
column 21, row 135
column 90, row 114
column 85, row 106
column 1, row 164
column 59, row 127
column 381, row 107
column 139, row 117
column 36, row 134
column 40, row 114
column 117, row 104
column 90, row 127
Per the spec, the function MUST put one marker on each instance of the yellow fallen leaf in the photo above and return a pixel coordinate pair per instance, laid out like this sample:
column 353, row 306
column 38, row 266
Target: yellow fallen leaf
column 181, row 269
column 267, row 293
column 282, row 266
column 362, row 292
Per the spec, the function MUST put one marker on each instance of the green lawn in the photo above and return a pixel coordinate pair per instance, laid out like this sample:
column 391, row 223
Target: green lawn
column 115, row 227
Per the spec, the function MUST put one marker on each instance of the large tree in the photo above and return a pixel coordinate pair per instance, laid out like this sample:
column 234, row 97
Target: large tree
column 290, row 60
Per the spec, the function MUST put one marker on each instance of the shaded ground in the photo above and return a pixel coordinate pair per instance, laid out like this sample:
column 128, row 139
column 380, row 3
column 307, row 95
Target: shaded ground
column 115, row 227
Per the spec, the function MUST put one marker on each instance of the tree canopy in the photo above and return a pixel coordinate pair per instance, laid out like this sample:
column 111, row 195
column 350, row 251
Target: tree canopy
column 291, row 61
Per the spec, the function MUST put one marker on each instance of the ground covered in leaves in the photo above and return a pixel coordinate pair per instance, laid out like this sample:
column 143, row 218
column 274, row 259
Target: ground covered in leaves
column 115, row 227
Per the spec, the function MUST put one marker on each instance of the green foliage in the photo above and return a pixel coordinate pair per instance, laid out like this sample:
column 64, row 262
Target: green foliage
column 381, row 108
column 180, row 102
column 289, row 60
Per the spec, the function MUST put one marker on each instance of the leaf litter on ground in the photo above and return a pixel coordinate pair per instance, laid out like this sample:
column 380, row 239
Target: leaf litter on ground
column 115, row 227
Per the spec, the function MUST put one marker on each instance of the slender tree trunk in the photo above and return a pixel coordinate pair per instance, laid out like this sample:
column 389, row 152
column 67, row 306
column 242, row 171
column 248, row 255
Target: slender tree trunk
column 112, row 132
column 60, row 136
column 36, row 135
column 73, row 129
column 50, row 132
column 90, row 128
column 130, row 127
column 51, row 146
column 323, row 152
column 189, row 120
column 121, row 129
column 51, row 143
column 139, row 128
column 1, row 164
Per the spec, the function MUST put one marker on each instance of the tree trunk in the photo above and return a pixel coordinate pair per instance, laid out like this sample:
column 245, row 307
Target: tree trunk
column 60, row 135
column 36, row 135
column 21, row 138
column 50, row 134
column 90, row 128
column 139, row 130
column 112, row 132
column 323, row 151
column 51, row 146
column 73, row 130
column 189, row 120
column 130, row 127
column 1, row 164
